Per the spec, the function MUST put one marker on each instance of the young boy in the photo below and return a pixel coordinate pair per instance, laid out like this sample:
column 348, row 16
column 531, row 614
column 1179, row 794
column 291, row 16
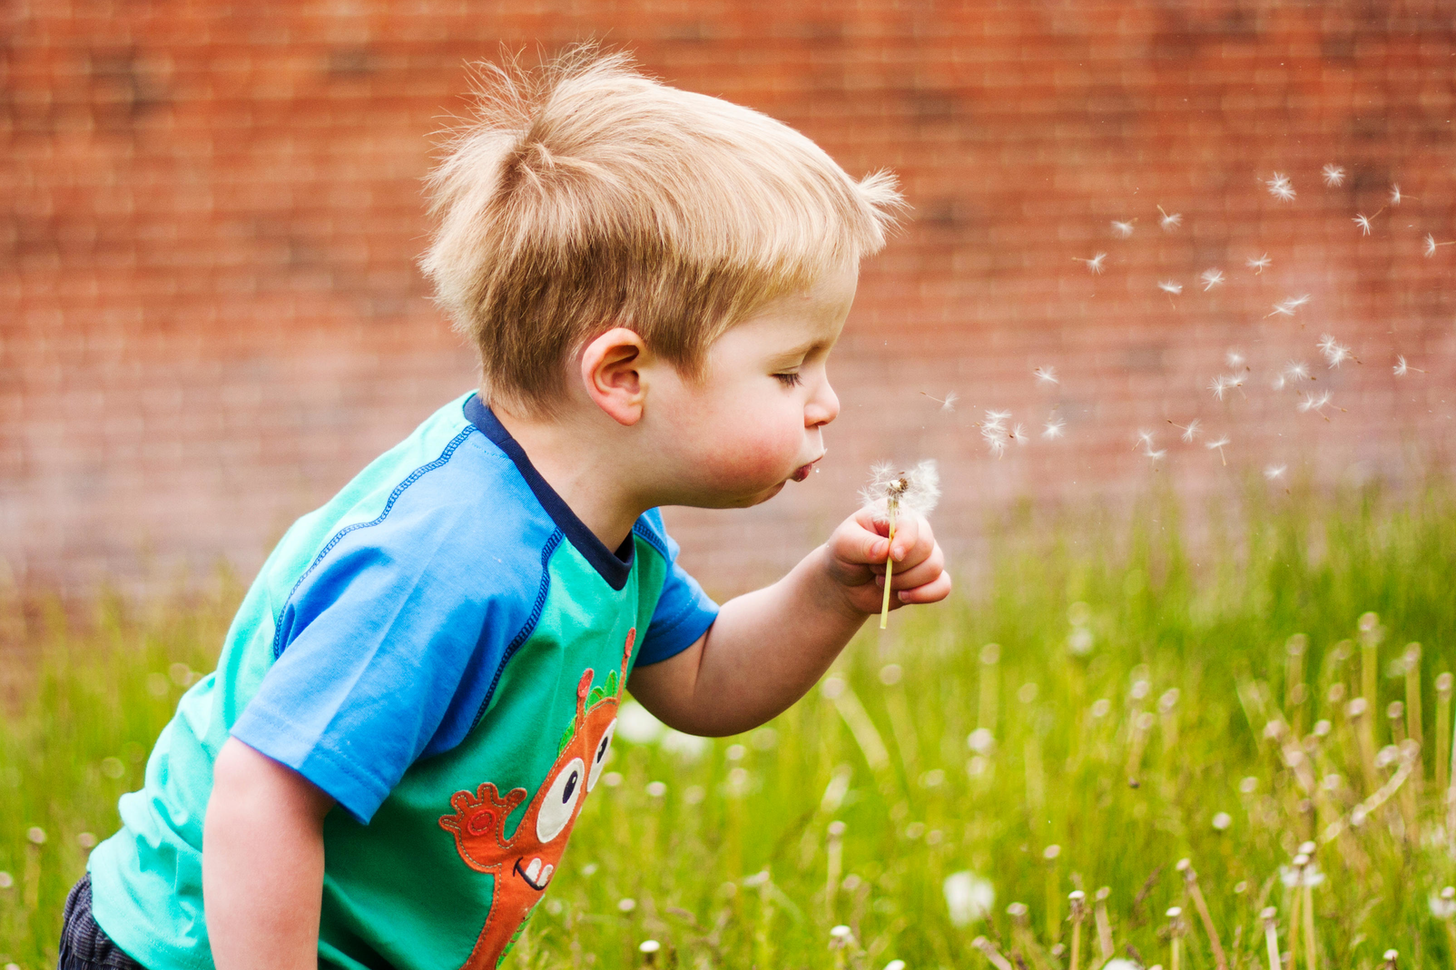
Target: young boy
column 421, row 685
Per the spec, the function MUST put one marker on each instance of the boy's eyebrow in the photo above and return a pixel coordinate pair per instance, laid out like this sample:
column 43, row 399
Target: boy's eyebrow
column 796, row 353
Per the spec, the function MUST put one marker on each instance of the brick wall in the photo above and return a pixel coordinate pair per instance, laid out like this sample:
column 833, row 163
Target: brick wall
column 210, row 316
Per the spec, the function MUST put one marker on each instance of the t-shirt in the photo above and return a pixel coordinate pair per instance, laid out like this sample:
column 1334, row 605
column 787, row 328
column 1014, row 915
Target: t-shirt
column 441, row 648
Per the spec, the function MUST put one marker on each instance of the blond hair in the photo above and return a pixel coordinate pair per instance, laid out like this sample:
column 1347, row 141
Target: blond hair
column 584, row 195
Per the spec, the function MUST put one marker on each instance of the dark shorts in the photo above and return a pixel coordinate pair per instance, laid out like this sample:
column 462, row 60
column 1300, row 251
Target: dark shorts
column 83, row 944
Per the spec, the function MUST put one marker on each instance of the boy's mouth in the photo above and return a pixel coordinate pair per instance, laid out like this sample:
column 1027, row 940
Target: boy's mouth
column 802, row 472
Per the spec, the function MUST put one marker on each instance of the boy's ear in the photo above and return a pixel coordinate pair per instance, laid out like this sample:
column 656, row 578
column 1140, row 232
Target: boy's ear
column 611, row 370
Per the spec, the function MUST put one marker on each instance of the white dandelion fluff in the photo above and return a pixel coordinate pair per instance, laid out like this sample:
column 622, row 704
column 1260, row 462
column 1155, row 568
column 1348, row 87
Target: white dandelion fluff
column 1334, row 175
column 946, row 403
column 1169, row 220
column 1401, row 368
column 1218, row 386
column 1234, row 358
column 1046, row 375
column 1122, row 229
column 1258, row 263
column 1432, row 245
column 968, row 897
column 1190, row 430
column 1363, row 221
column 1335, row 353
column 1210, row 278
column 1396, row 197
column 1220, row 444
column 1053, row 429
column 1272, row 472
column 1286, row 308
column 1280, row 187
column 1094, row 265
column 1170, row 286
column 914, row 490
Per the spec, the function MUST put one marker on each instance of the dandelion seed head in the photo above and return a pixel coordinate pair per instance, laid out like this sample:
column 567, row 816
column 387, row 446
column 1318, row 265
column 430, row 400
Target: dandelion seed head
column 968, row 897
column 915, row 490
column 1171, row 286
column 1334, row 175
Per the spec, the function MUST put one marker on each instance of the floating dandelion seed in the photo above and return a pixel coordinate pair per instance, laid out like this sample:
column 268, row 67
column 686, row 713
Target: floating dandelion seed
column 1234, row 358
column 1271, row 472
column 1363, row 221
column 1169, row 286
column 915, row 491
column 1280, row 187
column 1317, row 404
column 1401, row 367
column 946, row 404
column 1190, row 430
column 1210, row 278
column 1094, row 265
column 1169, row 220
column 1122, row 229
column 1144, row 439
column 1396, row 197
column 1046, row 375
column 1334, row 175
column 1219, row 444
column 1432, row 245
column 1017, row 434
column 996, row 420
column 1286, row 308
column 1335, row 353
column 1053, row 429
column 1259, row 263
column 1294, row 372
column 1218, row 386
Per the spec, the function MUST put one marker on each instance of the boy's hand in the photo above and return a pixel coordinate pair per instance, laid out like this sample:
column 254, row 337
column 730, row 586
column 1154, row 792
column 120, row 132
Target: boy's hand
column 856, row 561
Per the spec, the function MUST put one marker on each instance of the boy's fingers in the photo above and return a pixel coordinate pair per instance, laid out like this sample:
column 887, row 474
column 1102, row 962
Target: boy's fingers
column 919, row 574
column 932, row 592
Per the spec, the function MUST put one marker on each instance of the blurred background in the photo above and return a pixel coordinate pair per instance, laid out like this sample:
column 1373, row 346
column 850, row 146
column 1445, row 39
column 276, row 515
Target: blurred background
column 211, row 317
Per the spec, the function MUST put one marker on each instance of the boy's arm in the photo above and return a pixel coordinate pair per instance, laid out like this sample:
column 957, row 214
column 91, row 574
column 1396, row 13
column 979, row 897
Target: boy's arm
column 262, row 863
column 768, row 647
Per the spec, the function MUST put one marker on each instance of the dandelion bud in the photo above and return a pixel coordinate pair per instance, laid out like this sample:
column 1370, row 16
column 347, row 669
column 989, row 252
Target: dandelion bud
column 1356, row 708
column 1336, row 693
column 1322, row 728
column 1307, row 848
column 1395, row 711
column 1051, row 852
column 841, row 933
column 1444, row 685
column 649, row 946
column 1017, row 912
column 1268, row 914
column 36, row 835
column 991, row 654
column 1301, row 860
column 1168, row 701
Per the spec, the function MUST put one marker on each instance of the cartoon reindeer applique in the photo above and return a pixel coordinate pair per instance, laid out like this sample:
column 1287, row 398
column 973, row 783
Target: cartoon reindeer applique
column 524, row 863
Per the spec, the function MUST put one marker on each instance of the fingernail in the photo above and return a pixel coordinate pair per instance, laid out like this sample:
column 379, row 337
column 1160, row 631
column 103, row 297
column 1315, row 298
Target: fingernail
column 899, row 553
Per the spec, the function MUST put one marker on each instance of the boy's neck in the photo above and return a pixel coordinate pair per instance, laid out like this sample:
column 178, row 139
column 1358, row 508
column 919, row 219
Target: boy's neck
column 581, row 460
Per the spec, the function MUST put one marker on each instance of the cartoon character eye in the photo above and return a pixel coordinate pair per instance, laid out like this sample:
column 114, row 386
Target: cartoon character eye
column 560, row 800
column 599, row 757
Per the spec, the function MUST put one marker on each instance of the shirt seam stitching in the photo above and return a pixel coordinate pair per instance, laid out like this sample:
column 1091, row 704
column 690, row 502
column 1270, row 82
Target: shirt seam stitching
column 552, row 544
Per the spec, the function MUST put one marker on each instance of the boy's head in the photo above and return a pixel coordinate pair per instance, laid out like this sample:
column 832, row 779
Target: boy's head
column 586, row 196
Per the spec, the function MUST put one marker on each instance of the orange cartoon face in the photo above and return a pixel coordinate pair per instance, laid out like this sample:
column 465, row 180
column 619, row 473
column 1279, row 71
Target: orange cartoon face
column 524, row 864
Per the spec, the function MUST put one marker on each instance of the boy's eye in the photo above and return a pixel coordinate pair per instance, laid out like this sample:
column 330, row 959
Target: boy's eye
column 789, row 380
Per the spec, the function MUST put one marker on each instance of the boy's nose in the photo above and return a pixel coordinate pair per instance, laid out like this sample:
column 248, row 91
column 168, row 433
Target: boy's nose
column 822, row 408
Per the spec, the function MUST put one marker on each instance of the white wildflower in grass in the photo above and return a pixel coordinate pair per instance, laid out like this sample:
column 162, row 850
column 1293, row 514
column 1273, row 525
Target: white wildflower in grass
column 1280, row 187
column 1190, row 430
column 1122, row 229
column 1401, row 368
column 1273, row 472
column 916, row 491
column 1046, row 375
column 1053, row 429
column 1210, row 278
column 1305, row 874
column 1258, row 263
column 1220, row 444
column 968, row 897
column 946, row 403
column 1432, row 245
column 1169, row 220
column 1334, row 175
column 1094, row 265
column 1171, row 287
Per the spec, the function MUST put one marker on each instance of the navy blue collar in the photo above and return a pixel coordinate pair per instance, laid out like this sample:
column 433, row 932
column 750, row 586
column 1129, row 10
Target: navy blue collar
column 614, row 567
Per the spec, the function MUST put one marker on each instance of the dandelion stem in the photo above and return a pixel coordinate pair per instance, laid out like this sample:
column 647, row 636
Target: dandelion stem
column 1271, row 937
column 1294, row 923
column 1104, row 925
column 1443, row 730
column 988, row 949
column 1370, row 660
column 1309, row 949
column 1191, row 878
column 889, row 569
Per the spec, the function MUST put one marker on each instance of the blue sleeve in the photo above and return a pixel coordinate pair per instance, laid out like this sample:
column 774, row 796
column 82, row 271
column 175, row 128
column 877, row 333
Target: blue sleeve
column 385, row 648
column 684, row 612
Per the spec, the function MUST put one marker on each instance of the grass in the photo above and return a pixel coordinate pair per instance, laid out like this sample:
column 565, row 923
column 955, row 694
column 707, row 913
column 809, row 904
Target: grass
column 1220, row 683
